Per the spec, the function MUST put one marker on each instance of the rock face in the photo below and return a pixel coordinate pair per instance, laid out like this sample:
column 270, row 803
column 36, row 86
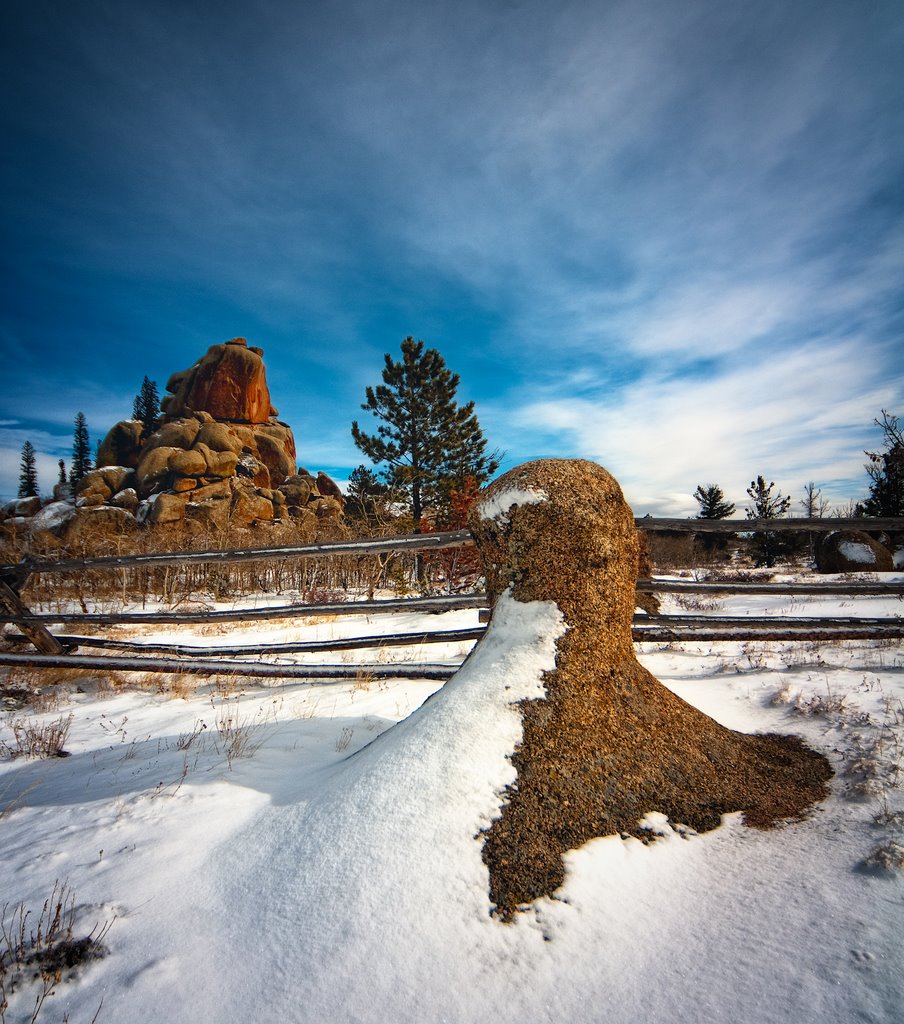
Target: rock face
column 608, row 744
column 229, row 382
column 853, row 551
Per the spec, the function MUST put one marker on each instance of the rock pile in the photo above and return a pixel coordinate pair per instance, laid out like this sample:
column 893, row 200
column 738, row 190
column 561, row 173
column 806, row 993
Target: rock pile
column 219, row 457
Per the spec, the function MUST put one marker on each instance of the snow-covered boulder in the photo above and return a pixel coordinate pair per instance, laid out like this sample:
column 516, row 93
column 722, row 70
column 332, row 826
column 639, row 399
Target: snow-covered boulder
column 852, row 551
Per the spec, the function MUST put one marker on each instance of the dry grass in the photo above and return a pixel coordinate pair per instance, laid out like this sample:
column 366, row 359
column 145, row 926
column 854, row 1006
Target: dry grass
column 37, row 739
column 43, row 951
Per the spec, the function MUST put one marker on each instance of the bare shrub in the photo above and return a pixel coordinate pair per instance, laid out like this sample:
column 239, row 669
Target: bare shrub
column 887, row 858
column 44, row 951
column 34, row 739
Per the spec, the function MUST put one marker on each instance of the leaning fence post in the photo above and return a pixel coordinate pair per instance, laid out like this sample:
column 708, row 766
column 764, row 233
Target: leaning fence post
column 42, row 638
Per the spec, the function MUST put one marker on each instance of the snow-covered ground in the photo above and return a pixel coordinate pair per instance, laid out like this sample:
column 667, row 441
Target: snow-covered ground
column 310, row 853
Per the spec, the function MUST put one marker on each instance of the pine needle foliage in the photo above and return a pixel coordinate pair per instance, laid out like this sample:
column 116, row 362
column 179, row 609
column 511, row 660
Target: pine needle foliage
column 886, row 471
column 712, row 502
column 28, row 472
column 146, row 406
column 428, row 443
column 767, row 546
column 81, row 450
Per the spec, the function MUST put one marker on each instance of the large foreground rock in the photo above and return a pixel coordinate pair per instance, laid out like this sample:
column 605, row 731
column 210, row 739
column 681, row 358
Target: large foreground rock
column 608, row 744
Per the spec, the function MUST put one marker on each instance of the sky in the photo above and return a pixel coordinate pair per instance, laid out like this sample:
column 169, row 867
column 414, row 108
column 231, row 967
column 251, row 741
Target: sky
column 665, row 237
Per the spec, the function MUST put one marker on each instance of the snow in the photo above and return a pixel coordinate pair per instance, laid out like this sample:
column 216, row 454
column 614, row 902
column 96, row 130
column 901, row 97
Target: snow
column 497, row 506
column 858, row 553
column 335, row 873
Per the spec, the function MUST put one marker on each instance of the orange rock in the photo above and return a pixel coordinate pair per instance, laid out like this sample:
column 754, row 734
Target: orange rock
column 229, row 382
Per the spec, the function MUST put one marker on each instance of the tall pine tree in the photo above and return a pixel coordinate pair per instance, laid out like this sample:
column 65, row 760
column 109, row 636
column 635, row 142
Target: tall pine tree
column 28, row 472
column 428, row 443
column 81, row 450
column 146, row 406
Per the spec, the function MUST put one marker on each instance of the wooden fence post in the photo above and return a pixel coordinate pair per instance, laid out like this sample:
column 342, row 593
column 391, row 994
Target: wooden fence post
column 41, row 637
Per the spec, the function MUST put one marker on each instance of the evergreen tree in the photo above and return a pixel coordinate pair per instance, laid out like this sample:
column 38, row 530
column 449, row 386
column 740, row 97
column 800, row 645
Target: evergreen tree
column 886, row 471
column 767, row 546
column 146, row 406
column 428, row 442
column 81, row 450
column 28, row 472
column 366, row 496
column 62, row 477
column 712, row 502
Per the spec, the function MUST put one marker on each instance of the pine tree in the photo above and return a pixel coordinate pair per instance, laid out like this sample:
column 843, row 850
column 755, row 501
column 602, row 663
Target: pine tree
column 62, row 475
column 365, row 496
column 28, row 472
column 766, row 545
column 429, row 443
column 146, row 406
column 886, row 471
column 81, row 450
column 712, row 502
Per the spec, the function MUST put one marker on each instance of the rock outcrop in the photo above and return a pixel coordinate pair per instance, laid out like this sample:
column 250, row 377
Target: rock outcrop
column 219, row 458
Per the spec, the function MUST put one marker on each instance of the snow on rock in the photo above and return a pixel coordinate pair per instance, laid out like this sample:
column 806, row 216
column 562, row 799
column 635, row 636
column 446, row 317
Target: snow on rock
column 859, row 553
column 52, row 516
column 497, row 506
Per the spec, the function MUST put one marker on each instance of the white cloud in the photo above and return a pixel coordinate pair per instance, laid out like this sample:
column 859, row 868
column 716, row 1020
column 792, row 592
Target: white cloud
column 798, row 415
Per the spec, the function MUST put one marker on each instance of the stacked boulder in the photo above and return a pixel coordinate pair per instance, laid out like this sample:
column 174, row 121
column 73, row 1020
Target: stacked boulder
column 220, row 457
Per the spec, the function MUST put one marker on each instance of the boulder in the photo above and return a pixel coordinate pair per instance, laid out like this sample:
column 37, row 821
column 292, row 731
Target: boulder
column 52, row 518
column 97, row 524
column 122, row 445
column 296, row 490
column 852, row 551
column 163, row 508
column 212, row 492
column 179, row 433
column 328, row 488
column 127, row 498
column 275, row 445
column 153, row 468
column 219, row 437
column 229, row 382
column 188, row 463
column 21, row 507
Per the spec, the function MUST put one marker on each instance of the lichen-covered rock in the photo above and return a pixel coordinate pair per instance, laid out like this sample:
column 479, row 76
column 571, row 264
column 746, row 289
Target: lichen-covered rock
column 122, row 445
column 229, row 382
column 608, row 743
column 852, row 551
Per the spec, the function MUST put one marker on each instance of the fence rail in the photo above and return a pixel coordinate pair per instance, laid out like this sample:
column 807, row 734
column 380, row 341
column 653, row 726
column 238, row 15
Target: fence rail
column 55, row 651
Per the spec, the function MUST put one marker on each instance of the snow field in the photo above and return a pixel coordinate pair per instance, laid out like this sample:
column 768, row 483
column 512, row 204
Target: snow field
column 333, row 873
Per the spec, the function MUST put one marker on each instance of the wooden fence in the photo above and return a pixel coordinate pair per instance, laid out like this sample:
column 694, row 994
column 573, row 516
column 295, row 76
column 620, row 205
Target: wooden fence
column 56, row 650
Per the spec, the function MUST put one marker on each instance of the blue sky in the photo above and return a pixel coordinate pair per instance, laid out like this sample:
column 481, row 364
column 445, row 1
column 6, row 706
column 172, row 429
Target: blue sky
column 665, row 236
